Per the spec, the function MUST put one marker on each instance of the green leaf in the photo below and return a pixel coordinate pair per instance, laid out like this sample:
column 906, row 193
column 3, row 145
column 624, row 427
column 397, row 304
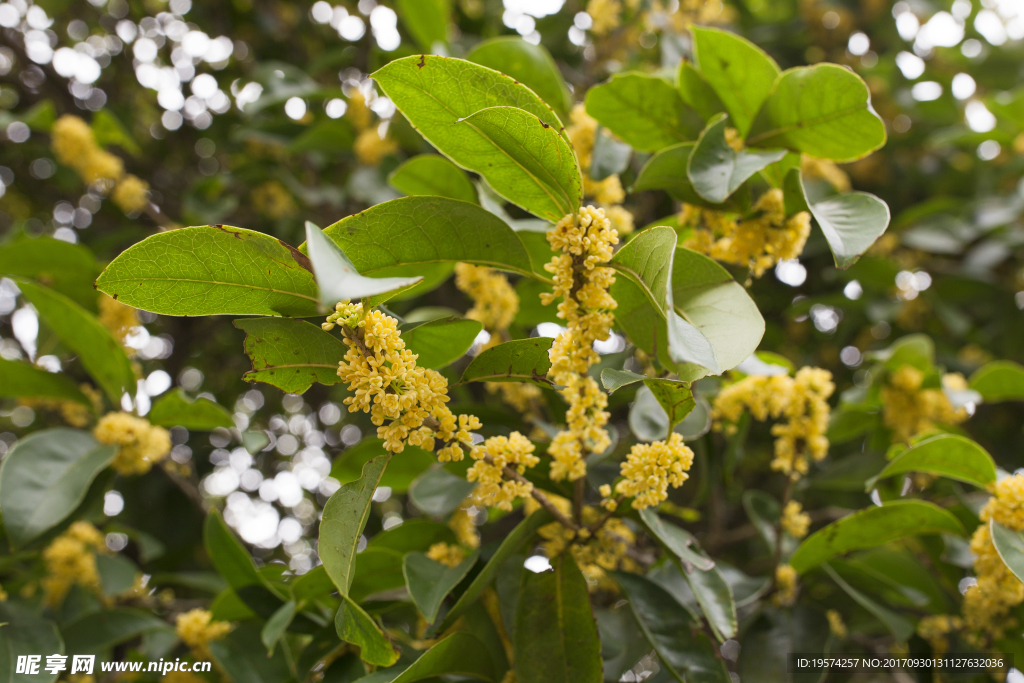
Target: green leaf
column 676, row 540
column 357, row 627
column 42, row 115
column 705, row 295
column 438, row 492
column 240, row 655
column 520, row 360
column 872, row 527
column 377, row 570
column 229, row 556
column 716, row 170
column 696, row 92
column 739, row 72
column 666, row 171
column 95, row 633
column 400, row 473
column 682, row 649
column 613, row 379
column 45, row 477
column 344, row 517
column 429, row 582
column 277, row 625
column 528, row 162
column 19, row 379
column 312, row 585
column 79, row 330
column 947, row 455
column 200, row 415
column 822, row 110
column 331, row 136
column 1000, row 380
column 212, row 270
column 426, row 20
column 110, row 131
column 529, row 64
column 898, row 626
column 24, row 632
column 117, row 573
column 291, row 354
column 336, row 277
column 413, row 534
column 674, row 398
column 642, row 287
column 1010, row 546
column 555, row 635
column 432, row 174
column 771, row 637
column 851, row 223
column 441, row 342
column 644, row 111
column 764, row 512
column 68, row 268
column 687, row 344
column 510, row 545
column 609, row 156
column 459, row 654
column 422, row 230
column 715, row 599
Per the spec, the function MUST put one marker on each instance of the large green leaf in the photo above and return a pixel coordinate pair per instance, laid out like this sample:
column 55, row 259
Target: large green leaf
column 459, row 654
column 68, row 268
column 23, row 632
column 851, row 223
column 432, row 174
column 682, row 648
column 900, row 627
column 422, row 230
column 520, row 360
column 441, row 342
column 100, row 631
column 1000, row 380
column 947, row 455
column 666, row 170
column 18, row 379
column 872, row 527
column 212, row 270
column 739, row 72
column 529, row 64
column 426, row 20
column 429, row 582
column 357, row 627
column 528, row 162
column 716, row 170
column 510, row 545
column 200, row 415
column 714, row 595
column 555, row 635
column 336, row 277
column 1010, row 546
column 377, row 570
column 229, row 556
column 676, row 540
column 277, row 625
column 400, row 473
column 45, row 477
column 697, row 93
column 79, row 330
column 645, row 111
column 344, row 517
column 438, row 492
column 822, row 110
column 291, row 354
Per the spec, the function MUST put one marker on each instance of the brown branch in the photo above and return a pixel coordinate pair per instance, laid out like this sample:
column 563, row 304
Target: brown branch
column 544, row 501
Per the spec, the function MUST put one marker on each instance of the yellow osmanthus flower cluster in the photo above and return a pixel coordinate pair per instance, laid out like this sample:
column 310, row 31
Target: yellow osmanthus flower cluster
column 447, row 554
column 803, row 402
column 197, row 629
column 370, row 147
column 987, row 604
column 72, row 412
column 608, row 193
column 836, row 624
column 606, row 550
column 462, row 523
column 74, row 144
column 118, row 318
column 399, row 395
column 648, row 471
column 141, row 445
column 935, row 628
column 758, row 243
column 273, row 200
column 71, row 559
column 492, row 457
column 604, row 15
column 583, row 244
column 786, row 586
column 795, row 522
column 908, row 409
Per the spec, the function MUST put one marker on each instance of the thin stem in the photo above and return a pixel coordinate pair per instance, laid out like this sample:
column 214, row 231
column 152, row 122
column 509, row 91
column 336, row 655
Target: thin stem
column 577, row 500
column 599, row 524
column 790, row 480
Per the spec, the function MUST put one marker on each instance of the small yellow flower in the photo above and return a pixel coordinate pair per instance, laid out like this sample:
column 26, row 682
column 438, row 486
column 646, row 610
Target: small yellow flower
column 495, row 302
column 794, row 521
column 71, row 559
column 908, row 410
column 464, row 525
column 118, row 318
column 649, row 469
column 786, row 587
column 273, row 200
column 835, row 624
column 371, row 148
column 131, row 194
column 141, row 445
column 492, row 457
column 448, row 555
column 197, row 629
column 935, row 628
column 604, row 15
